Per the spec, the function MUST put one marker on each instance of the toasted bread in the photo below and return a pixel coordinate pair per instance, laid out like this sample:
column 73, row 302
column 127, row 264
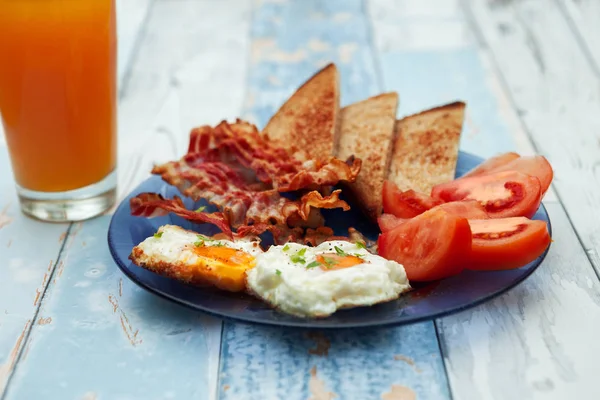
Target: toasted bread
column 426, row 148
column 308, row 122
column 367, row 132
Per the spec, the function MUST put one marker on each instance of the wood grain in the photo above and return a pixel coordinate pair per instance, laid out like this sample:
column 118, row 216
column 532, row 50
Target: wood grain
column 583, row 16
column 266, row 363
column 521, row 345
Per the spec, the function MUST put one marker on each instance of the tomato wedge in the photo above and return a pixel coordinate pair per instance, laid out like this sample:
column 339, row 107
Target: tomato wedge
column 492, row 163
column 470, row 209
column 503, row 194
column 536, row 166
column 387, row 222
column 506, row 243
column 431, row 246
column 406, row 204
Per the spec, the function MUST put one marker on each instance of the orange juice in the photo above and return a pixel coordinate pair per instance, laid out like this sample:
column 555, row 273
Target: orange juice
column 58, row 91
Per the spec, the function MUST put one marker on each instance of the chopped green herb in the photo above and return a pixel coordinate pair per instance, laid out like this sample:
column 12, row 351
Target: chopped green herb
column 278, row 272
column 361, row 245
column 297, row 259
column 358, row 255
column 340, row 252
column 286, row 247
column 313, row 264
column 329, row 262
column 199, row 243
column 218, row 244
column 302, row 252
column 158, row 234
column 200, row 209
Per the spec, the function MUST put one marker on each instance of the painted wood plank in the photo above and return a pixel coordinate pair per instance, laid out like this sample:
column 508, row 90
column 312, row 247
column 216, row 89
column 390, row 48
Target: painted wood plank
column 555, row 89
column 583, row 17
column 181, row 76
column 539, row 341
column 99, row 335
column 267, row 363
column 521, row 345
column 25, row 274
column 131, row 17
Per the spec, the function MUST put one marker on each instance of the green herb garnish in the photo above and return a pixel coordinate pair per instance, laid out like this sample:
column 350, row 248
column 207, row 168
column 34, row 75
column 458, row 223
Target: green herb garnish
column 218, row 244
column 329, row 262
column 302, row 252
column 286, row 247
column 199, row 243
column 200, row 209
column 158, row 234
column 340, row 252
column 361, row 245
column 298, row 257
column 313, row 264
column 278, row 272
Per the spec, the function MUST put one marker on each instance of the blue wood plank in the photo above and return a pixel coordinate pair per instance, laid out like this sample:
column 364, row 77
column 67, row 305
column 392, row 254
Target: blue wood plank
column 28, row 253
column 100, row 335
column 432, row 77
column 290, row 41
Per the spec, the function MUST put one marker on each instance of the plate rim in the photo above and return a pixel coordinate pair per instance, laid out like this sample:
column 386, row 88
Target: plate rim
column 303, row 323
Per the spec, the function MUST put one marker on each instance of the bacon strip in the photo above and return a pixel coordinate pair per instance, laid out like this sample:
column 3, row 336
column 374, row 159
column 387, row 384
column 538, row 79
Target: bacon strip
column 241, row 144
column 151, row 205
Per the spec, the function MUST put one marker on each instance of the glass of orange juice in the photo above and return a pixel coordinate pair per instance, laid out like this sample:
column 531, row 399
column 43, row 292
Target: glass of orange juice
column 58, row 104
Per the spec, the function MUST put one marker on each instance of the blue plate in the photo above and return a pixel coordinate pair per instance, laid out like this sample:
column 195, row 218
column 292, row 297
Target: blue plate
column 428, row 301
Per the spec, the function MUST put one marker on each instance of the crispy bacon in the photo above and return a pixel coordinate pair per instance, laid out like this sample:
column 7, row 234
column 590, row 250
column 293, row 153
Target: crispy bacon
column 240, row 144
column 151, row 205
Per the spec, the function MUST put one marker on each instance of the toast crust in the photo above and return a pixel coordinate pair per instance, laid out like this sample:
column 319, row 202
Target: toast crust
column 367, row 132
column 307, row 124
column 425, row 149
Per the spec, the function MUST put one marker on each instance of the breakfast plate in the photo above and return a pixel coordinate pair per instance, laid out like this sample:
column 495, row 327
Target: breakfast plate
column 425, row 301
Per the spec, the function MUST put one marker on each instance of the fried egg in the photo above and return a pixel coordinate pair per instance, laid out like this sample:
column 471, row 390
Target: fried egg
column 196, row 259
column 317, row 281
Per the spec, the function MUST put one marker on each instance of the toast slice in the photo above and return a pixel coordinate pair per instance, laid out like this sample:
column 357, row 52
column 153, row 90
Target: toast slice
column 307, row 124
column 367, row 132
column 426, row 148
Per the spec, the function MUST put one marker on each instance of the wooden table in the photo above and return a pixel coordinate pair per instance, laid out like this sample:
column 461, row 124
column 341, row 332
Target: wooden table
column 73, row 327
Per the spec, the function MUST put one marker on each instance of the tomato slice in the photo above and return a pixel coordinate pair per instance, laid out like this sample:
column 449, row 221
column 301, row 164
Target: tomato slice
column 406, row 204
column 502, row 194
column 506, row 243
column 431, row 246
column 536, row 166
column 492, row 163
column 470, row 209
column 387, row 222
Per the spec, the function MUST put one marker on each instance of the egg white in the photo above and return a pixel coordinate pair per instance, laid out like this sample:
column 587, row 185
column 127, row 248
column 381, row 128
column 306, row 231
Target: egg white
column 313, row 292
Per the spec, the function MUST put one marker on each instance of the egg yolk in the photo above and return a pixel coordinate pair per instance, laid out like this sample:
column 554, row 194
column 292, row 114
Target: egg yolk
column 333, row 261
column 225, row 255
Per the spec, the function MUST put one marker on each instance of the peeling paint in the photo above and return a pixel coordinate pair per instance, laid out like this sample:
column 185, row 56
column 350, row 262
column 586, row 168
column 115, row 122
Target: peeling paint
column 317, row 388
column 7, row 367
column 4, row 218
column 120, row 287
column 409, row 361
column 346, row 52
column 130, row 332
column 322, row 344
column 59, row 270
column 9, row 243
column 226, row 388
column 37, row 297
column 399, row 392
column 62, row 237
column 44, row 321
column 266, row 50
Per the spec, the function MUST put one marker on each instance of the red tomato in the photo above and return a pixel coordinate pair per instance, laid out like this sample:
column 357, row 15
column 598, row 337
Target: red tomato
column 387, row 222
column 406, row 204
column 431, row 246
column 503, row 194
column 506, row 243
column 492, row 163
column 536, row 166
column 470, row 209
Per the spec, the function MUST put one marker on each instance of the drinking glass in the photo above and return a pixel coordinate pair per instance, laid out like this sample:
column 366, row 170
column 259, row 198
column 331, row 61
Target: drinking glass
column 58, row 104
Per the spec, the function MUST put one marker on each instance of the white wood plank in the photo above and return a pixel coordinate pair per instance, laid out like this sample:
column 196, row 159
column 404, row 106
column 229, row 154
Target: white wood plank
column 538, row 341
column 583, row 17
column 557, row 93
